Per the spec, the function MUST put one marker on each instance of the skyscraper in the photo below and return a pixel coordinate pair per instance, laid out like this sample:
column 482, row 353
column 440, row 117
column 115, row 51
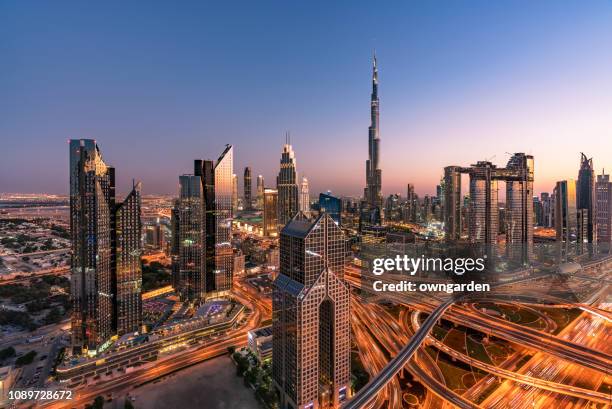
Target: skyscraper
column 452, row 202
column 106, row 275
column 128, row 267
column 410, row 207
column 585, row 200
column 483, row 210
column 191, row 222
column 519, row 206
column 248, row 201
column 305, row 197
column 372, row 192
column 270, row 213
column 603, row 192
column 260, row 192
column 92, row 202
column 311, row 316
column 217, row 182
column 234, row 193
column 566, row 219
column 286, row 184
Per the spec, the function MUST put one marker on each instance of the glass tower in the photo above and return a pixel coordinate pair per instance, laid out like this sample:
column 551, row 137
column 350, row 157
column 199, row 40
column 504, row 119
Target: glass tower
column 311, row 316
column 92, row 202
column 128, row 248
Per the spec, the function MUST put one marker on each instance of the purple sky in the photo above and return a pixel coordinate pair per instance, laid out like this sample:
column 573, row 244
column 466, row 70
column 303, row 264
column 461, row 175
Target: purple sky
column 159, row 84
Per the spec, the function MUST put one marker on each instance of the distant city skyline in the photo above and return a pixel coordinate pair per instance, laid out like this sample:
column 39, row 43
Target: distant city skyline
column 166, row 84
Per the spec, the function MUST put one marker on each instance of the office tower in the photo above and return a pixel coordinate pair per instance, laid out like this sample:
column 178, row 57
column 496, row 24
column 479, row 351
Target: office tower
column 331, row 205
column 452, row 202
column 216, row 179
column 270, row 213
column 311, row 316
column 191, row 222
column 372, row 192
column 260, row 192
column 566, row 217
column 248, row 203
column 538, row 211
column 175, row 244
column 483, row 211
column 519, row 206
column 304, row 197
column 603, row 193
column 92, row 202
column 128, row 267
column 286, row 184
column 547, row 209
column 234, row 193
column 585, row 200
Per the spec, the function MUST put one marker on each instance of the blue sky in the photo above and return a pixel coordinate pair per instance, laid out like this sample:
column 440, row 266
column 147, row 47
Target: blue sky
column 161, row 83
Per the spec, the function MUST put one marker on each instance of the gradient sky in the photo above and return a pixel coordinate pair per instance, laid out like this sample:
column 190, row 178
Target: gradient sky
column 161, row 83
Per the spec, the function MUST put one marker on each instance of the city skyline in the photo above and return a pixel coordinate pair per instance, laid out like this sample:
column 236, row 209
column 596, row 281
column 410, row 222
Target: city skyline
column 495, row 94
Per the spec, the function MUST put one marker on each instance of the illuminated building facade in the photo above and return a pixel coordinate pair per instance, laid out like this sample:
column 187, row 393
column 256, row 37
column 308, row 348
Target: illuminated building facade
column 305, row 196
column 217, row 183
column 483, row 206
column 128, row 249
column 585, row 201
column 373, row 190
column 311, row 316
column 191, row 267
column 248, row 185
column 603, row 192
column 92, row 202
column 270, row 213
column 286, row 184
column 260, row 192
column 234, row 193
column 566, row 218
column 106, row 272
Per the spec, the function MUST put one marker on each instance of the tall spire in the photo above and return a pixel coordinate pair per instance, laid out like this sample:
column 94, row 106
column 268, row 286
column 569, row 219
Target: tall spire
column 372, row 191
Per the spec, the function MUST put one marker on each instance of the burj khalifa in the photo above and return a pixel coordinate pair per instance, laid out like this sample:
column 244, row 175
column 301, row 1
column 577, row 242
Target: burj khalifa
column 372, row 191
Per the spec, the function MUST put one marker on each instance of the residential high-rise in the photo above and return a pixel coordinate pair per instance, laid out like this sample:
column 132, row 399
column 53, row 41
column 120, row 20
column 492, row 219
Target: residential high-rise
column 373, row 191
column 270, row 213
column 128, row 267
column 603, row 193
column 585, row 200
column 248, row 201
column 92, row 203
column 331, row 205
column 305, row 197
column 106, row 274
column 286, row 184
column 217, row 182
column 191, row 267
column 260, row 192
column 234, row 193
column 175, row 244
column 311, row 316
column 566, row 218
